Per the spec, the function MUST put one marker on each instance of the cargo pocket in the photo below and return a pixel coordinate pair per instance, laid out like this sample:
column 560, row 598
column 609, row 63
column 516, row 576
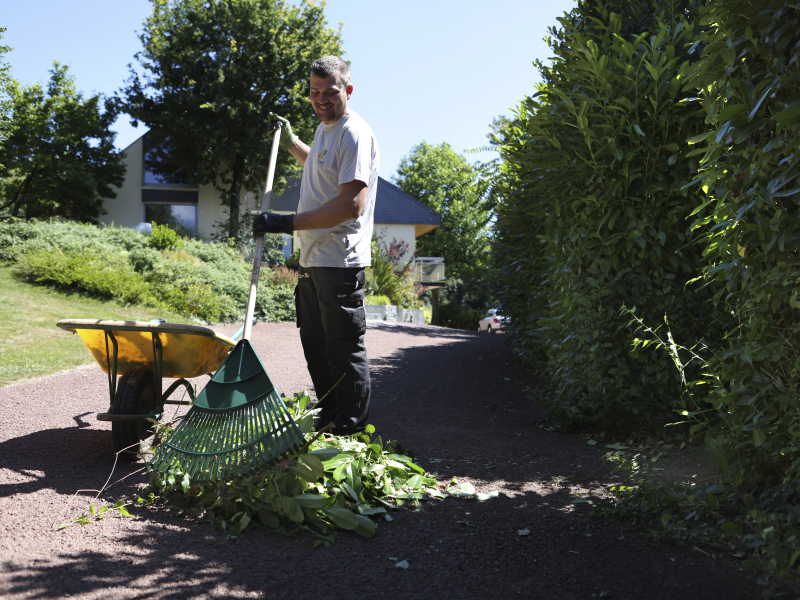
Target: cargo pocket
column 344, row 312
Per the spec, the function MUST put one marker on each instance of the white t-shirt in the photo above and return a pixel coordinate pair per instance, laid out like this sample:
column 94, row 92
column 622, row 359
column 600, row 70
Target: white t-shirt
column 342, row 152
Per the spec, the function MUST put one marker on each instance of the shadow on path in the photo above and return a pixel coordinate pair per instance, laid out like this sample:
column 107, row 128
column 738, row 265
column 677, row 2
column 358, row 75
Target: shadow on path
column 461, row 404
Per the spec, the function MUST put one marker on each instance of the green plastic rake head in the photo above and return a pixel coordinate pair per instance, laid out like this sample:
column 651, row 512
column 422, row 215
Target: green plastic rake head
column 237, row 424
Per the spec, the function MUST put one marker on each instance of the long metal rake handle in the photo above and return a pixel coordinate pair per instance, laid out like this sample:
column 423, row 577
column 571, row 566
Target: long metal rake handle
column 251, row 297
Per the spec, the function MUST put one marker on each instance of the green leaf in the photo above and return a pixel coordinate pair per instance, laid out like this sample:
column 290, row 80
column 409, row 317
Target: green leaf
column 483, row 497
column 122, row 510
column 338, row 474
column 342, row 517
column 414, row 482
column 759, row 437
column 311, row 500
column 293, row 510
column 788, row 113
column 638, row 130
column 616, row 446
column 374, row 468
column 717, row 451
column 244, row 522
column 269, row 518
column 304, row 471
column 369, row 429
column 325, row 454
column 366, row 526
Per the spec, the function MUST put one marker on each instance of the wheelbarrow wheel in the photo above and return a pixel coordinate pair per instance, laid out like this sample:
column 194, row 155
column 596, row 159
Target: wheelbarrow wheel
column 137, row 394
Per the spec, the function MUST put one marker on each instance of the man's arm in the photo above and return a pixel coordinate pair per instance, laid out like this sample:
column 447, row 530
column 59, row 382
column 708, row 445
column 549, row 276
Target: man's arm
column 346, row 206
column 300, row 151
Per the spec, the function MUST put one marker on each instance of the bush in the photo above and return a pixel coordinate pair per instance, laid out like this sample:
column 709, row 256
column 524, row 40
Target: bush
column 377, row 300
column 280, row 276
column 210, row 281
column 596, row 213
column 459, row 317
column 105, row 275
column 383, row 279
column 293, row 262
column 749, row 84
column 163, row 238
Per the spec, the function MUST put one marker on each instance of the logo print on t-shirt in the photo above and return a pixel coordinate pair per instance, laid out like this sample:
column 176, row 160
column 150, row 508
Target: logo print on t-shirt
column 321, row 157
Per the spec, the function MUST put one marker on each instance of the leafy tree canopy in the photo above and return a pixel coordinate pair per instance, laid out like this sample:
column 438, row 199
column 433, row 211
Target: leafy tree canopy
column 5, row 81
column 442, row 179
column 59, row 157
column 212, row 71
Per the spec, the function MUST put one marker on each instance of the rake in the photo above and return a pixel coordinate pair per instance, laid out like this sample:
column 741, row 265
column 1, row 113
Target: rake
column 239, row 422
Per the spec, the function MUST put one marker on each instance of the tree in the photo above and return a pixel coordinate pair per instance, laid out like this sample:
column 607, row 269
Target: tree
column 213, row 69
column 59, row 158
column 443, row 180
column 5, row 82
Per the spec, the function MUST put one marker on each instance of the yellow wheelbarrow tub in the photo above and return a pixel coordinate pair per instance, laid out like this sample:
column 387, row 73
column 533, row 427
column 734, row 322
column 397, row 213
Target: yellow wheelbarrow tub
column 188, row 350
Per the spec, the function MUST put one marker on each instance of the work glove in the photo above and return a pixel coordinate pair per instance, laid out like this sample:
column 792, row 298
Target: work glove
column 288, row 138
column 268, row 222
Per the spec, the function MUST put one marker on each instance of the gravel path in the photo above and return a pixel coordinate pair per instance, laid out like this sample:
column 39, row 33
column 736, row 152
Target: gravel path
column 454, row 397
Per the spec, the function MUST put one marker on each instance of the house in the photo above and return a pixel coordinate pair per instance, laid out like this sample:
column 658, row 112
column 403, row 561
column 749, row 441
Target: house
column 399, row 218
column 191, row 209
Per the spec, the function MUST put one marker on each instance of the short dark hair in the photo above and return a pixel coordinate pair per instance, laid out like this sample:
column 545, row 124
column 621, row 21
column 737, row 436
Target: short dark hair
column 328, row 65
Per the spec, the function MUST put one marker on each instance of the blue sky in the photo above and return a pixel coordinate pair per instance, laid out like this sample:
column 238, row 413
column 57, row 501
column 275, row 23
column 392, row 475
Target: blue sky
column 435, row 70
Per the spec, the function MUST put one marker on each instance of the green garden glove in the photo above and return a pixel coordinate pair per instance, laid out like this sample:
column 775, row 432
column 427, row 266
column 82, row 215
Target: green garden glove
column 288, row 138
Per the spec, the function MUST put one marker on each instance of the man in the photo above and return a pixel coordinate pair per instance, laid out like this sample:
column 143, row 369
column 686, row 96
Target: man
column 334, row 220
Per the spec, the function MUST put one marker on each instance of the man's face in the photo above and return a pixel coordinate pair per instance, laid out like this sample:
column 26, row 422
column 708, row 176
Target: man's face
column 329, row 98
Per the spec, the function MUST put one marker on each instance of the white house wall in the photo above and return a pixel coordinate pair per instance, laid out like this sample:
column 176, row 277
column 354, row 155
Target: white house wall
column 126, row 209
column 388, row 234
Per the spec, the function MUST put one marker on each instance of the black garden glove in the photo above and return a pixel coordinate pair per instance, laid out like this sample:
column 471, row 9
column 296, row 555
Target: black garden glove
column 272, row 223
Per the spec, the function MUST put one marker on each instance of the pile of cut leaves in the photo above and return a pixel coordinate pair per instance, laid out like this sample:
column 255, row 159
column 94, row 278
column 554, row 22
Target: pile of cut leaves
column 345, row 482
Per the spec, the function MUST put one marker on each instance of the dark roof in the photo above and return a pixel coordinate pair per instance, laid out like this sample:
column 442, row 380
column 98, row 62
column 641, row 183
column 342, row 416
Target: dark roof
column 392, row 205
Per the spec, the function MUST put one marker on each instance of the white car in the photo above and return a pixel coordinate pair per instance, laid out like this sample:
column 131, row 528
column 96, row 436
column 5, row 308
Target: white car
column 492, row 322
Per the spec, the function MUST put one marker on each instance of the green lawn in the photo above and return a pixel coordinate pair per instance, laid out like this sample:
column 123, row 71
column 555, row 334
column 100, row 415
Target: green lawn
column 30, row 343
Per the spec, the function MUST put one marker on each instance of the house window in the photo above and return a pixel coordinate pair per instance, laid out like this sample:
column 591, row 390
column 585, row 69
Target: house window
column 287, row 245
column 181, row 218
column 157, row 167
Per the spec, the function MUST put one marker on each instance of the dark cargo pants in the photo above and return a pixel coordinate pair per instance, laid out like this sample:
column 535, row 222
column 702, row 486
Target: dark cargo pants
column 332, row 322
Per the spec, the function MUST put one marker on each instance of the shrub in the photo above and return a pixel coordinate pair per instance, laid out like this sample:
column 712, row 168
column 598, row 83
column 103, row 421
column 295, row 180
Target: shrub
column 383, row 279
column 459, row 317
column 749, row 85
column 596, row 212
column 99, row 273
column 280, row 276
column 377, row 300
column 210, row 281
column 163, row 238
column 293, row 262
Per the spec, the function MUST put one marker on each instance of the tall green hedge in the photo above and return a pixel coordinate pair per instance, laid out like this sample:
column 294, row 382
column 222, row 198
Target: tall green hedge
column 749, row 86
column 596, row 212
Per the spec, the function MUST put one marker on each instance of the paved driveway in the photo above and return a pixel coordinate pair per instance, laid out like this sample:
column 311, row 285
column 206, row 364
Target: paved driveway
column 452, row 396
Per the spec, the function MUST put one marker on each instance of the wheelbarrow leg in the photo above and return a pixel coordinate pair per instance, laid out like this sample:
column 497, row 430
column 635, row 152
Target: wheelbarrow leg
column 111, row 361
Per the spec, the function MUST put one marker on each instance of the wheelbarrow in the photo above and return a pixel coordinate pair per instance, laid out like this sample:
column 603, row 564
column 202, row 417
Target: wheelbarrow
column 143, row 354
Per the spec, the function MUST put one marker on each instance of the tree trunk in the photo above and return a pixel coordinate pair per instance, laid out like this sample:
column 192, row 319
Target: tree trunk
column 234, row 200
column 233, row 210
column 19, row 199
column 435, row 307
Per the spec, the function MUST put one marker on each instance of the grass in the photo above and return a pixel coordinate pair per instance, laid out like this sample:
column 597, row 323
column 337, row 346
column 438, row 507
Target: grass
column 30, row 343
